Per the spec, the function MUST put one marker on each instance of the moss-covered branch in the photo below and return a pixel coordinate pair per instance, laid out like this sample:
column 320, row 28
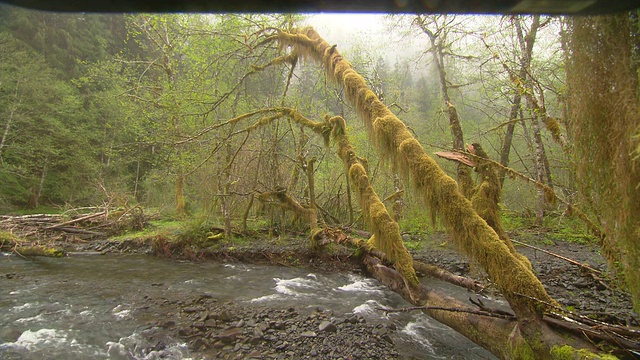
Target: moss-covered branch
column 287, row 202
column 386, row 232
column 439, row 191
column 549, row 193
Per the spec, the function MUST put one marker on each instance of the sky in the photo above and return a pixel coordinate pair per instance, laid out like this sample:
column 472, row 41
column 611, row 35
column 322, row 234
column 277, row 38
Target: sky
column 367, row 32
column 336, row 26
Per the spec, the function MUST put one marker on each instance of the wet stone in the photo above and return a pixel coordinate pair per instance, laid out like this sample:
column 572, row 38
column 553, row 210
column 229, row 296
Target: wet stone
column 168, row 324
column 190, row 310
column 198, row 344
column 327, row 326
column 230, row 335
column 387, row 338
column 222, row 316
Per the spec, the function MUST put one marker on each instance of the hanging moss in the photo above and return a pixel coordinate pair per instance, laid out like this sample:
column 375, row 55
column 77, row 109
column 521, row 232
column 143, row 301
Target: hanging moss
column 553, row 126
column 605, row 112
column 386, row 232
column 486, row 199
column 439, row 192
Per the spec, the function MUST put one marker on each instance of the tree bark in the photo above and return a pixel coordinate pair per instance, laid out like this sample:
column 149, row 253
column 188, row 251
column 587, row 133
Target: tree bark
column 7, row 126
column 180, row 204
column 543, row 173
column 508, row 136
column 225, row 179
column 245, row 215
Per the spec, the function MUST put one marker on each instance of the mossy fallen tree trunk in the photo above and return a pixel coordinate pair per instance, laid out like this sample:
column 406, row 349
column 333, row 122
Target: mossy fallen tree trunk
column 9, row 242
column 469, row 231
column 37, row 250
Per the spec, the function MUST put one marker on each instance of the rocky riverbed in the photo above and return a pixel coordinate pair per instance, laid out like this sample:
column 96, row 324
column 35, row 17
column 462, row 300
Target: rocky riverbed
column 237, row 331
column 593, row 294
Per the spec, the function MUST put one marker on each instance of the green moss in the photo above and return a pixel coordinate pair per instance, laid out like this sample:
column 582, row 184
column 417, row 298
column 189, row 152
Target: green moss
column 8, row 237
column 39, row 251
column 439, row 192
column 522, row 351
column 164, row 228
column 567, row 352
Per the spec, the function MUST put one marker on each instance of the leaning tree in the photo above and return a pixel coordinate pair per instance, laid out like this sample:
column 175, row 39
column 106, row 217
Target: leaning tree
column 538, row 327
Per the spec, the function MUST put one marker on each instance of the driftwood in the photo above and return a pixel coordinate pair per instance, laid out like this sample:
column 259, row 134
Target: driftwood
column 82, row 218
column 83, row 226
column 456, row 156
column 442, row 274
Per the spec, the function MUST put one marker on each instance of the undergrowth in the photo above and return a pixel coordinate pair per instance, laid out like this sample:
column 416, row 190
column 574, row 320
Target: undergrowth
column 555, row 228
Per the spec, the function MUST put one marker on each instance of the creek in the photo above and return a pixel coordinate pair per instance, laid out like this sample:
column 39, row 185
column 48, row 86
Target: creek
column 84, row 307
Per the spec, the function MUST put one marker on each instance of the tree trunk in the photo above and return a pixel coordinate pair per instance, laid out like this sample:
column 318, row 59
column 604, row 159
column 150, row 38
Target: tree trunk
column 309, row 171
column 245, row 215
column 137, row 180
column 7, row 126
column 438, row 40
column 526, row 51
column 43, row 175
column 180, row 204
column 349, row 201
column 225, row 180
column 508, row 136
column 540, row 172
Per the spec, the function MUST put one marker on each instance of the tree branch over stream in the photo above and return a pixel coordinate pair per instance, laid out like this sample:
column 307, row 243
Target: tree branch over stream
column 469, row 232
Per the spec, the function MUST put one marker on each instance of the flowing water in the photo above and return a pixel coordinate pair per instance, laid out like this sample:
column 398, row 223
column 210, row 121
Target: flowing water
column 84, row 307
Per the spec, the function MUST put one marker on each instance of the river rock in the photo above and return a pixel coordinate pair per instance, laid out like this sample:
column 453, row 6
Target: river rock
column 327, row 326
column 199, row 344
column 220, row 315
column 191, row 310
column 229, row 336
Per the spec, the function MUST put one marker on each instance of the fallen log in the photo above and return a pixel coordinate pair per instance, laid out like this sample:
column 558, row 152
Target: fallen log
column 497, row 335
column 29, row 251
column 495, row 330
column 90, row 216
column 326, row 236
column 442, row 274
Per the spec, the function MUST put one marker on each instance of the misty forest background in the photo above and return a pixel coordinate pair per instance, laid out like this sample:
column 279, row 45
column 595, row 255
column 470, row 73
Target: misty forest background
column 126, row 109
column 89, row 109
